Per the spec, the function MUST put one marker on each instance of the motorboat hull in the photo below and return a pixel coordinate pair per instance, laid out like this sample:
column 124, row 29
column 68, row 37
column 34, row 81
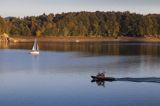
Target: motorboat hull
column 96, row 78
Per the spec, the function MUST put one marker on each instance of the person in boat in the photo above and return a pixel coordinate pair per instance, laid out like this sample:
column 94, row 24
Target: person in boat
column 101, row 74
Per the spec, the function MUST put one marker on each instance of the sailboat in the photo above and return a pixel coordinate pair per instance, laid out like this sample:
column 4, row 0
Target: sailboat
column 35, row 49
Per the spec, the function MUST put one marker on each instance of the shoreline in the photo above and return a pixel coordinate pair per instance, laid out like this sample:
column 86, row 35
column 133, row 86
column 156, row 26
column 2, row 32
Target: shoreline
column 85, row 39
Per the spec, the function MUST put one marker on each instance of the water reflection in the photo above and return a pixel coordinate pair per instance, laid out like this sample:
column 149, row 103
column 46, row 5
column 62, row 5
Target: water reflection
column 4, row 45
column 99, row 83
column 94, row 48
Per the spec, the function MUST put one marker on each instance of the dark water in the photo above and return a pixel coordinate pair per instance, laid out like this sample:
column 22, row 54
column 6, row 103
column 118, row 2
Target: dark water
column 60, row 75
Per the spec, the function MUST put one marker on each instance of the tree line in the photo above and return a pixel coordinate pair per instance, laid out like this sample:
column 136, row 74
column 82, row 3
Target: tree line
column 105, row 24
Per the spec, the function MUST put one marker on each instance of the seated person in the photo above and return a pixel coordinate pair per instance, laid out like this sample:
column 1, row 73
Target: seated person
column 100, row 75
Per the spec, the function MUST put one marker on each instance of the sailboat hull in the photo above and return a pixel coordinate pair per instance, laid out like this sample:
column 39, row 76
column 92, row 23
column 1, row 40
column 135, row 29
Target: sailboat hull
column 34, row 52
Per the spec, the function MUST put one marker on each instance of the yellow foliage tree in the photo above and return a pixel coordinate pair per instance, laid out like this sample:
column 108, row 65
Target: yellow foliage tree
column 38, row 33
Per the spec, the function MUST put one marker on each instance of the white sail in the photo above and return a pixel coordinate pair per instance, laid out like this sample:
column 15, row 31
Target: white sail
column 35, row 46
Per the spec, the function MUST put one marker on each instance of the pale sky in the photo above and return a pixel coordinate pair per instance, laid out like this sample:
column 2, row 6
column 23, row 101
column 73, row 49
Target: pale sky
column 21, row 8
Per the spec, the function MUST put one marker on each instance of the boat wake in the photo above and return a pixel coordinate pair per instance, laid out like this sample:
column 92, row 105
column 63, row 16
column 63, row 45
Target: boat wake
column 138, row 80
column 146, row 79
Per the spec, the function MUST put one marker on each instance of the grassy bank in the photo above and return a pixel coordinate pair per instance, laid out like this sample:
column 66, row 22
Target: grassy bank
column 87, row 39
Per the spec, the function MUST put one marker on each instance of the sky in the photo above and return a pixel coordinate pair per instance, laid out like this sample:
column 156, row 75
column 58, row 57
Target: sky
column 21, row 8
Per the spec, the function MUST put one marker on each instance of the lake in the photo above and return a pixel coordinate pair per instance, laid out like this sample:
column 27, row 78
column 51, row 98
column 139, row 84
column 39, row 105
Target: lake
column 60, row 75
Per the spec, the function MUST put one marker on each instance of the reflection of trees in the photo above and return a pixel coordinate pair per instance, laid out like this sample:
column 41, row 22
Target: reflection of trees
column 3, row 45
column 95, row 48
column 139, row 49
column 21, row 46
column 90, row 48
column 103, row 48
column 150, row 49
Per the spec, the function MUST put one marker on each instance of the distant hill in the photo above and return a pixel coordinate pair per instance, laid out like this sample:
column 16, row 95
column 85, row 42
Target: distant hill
column 8, row 18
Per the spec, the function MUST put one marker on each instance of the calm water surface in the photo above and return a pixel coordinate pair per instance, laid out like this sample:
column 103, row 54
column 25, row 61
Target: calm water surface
column 60, row 75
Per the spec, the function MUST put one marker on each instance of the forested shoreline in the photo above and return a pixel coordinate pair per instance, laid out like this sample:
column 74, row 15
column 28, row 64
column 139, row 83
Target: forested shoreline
column 88, row 24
